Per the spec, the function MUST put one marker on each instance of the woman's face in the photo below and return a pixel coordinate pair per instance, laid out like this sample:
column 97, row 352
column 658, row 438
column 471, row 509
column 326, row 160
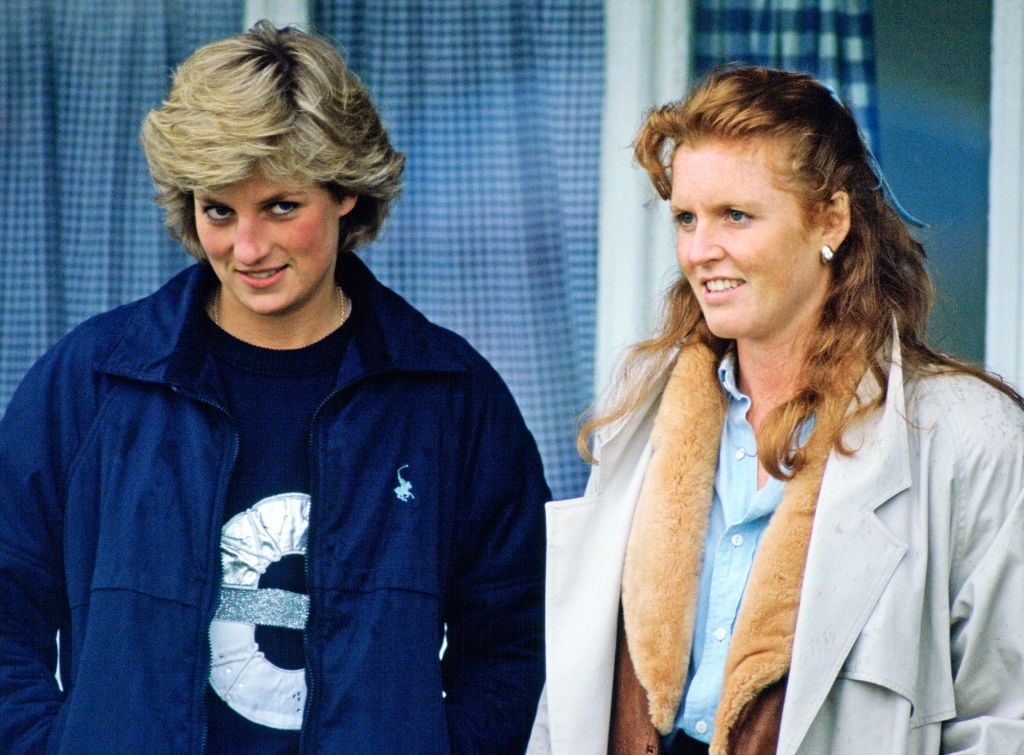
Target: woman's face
column 741, row 240
column 274, row 248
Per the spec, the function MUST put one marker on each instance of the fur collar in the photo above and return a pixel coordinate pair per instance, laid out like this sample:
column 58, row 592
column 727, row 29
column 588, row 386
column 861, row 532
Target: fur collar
column 661, row 574
column 665, row 550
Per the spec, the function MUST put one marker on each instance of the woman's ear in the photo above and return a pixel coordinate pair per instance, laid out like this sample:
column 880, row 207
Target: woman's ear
column 835, row 219
column 346, row 205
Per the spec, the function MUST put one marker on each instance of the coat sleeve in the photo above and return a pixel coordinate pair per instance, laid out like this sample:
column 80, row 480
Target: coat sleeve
column 36, row 441
column 540, row 736
column 987, row 606
column 493, row 665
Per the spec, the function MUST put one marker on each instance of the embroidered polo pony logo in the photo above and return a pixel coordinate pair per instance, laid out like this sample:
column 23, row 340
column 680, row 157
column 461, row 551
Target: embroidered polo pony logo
column 404, row 490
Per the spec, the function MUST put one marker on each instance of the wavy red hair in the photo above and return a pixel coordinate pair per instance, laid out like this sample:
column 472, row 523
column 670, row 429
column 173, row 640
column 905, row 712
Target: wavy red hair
column 878, row 274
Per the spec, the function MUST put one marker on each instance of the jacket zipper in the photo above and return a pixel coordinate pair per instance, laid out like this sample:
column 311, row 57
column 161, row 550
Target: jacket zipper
column 314, row 480
column 215, row 566
column 314, row 491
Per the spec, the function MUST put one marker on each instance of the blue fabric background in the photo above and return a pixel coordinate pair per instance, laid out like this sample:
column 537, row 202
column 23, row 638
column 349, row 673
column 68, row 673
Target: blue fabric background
column 82, row 233
column 497, row 105
column 829, row 39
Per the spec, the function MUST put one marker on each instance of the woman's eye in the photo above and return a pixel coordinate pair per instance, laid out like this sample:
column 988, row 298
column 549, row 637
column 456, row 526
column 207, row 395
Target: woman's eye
column 217, row 212
column 685, row 218
column 283, row 208
column 737, row 216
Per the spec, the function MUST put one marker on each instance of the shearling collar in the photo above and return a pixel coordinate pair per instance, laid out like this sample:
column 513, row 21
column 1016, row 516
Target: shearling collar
column 665, row 549
column 666, row 542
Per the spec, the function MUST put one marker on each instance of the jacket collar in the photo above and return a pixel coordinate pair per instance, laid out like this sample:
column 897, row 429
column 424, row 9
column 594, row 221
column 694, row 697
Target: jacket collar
column 160, row 341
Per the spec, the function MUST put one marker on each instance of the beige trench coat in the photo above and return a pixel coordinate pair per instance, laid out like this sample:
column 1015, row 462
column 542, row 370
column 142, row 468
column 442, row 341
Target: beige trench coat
column 910, row 632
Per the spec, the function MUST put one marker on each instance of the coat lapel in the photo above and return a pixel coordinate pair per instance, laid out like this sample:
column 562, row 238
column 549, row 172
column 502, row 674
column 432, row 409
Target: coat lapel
column 664, row 553
column 851, row 556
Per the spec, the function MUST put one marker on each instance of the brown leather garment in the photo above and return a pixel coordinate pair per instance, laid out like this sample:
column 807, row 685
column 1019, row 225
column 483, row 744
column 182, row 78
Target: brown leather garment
column 756, row 731
column 632, row 732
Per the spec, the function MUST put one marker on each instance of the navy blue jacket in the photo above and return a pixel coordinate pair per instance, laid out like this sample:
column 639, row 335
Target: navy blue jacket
column 115, row 454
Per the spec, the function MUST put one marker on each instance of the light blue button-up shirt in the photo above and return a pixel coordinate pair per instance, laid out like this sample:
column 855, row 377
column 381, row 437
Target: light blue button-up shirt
column 739, row 516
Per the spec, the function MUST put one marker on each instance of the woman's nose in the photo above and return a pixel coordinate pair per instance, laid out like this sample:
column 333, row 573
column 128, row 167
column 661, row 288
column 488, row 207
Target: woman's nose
column 699, row 246
column 251, row 242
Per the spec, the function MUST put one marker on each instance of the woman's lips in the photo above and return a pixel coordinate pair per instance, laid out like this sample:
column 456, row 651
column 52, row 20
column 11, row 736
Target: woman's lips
column 720, row 290
column 262, row 278
column 722, row 284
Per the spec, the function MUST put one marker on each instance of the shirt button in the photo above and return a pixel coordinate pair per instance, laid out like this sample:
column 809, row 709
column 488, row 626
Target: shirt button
column 720, row 634
column 740, row 453
column 701, row 727
column 737, row 540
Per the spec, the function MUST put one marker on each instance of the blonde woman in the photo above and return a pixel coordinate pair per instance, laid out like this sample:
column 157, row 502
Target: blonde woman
column 803, row 529
column 256, row 502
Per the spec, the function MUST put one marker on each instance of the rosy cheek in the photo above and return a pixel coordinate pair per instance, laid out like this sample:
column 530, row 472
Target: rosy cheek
column 310, row 234
column 316, row 227
column 211, row 241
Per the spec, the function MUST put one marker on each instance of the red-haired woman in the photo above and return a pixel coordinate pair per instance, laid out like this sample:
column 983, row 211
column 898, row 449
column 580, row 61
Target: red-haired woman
column 804, row 529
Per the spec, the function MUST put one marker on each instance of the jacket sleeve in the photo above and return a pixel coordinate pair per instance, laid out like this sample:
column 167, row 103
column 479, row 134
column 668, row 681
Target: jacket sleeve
column 987, row 599
column 493, row 665
column 36, row 440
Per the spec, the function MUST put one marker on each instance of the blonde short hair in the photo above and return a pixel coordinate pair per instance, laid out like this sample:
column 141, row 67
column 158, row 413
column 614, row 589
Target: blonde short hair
column 275, row 102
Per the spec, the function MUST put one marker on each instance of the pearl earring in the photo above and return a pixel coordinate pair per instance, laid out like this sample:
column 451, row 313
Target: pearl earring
column 826, row 254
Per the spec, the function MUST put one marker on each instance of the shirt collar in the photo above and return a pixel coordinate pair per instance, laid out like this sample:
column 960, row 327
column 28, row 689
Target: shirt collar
column 739, row 402
column 727, row 376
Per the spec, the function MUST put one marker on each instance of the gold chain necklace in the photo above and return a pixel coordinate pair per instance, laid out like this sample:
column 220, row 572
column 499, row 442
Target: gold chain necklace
column 214, row 306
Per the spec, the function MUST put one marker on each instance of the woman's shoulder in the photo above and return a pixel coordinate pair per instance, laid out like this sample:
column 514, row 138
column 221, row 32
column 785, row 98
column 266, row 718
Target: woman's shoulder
column 967, row 412
column 88, row 341
column 85, row 346
column 959, row 393
column 970, row 448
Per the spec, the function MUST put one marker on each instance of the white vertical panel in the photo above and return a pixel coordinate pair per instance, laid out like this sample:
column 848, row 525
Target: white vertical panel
column 1004, row 324
column 647, row 63
column 278, row 12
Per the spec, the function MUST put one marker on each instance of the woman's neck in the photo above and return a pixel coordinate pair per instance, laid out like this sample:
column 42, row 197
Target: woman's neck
column 769, row 375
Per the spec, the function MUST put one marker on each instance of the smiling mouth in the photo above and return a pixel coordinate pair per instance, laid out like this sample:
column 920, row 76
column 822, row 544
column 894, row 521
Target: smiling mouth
column 722, row 284
column 260, row 274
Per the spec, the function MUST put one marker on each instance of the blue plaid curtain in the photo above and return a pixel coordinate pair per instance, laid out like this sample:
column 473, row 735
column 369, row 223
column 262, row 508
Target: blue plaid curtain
column 829, row 39
column 81, row 233
column 497, row 105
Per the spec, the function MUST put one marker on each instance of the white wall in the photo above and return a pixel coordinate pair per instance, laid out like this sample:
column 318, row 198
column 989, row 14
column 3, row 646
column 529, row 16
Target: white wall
column 278, row 12
column 1004, row 322
column 647, row 63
